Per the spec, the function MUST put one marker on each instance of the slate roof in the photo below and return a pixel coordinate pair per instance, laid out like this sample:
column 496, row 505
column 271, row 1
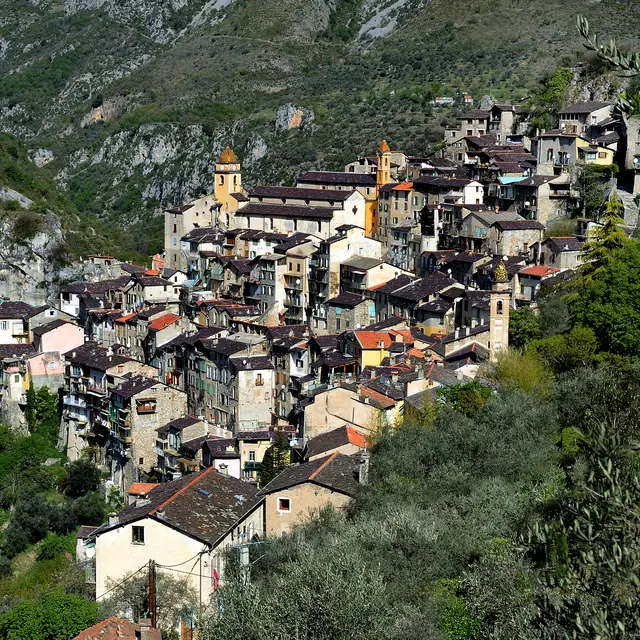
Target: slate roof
column 324, row 195
column 336, row 438
column 92, row 355
column 204, row 505
column 85, row 531
column 134, row 385
column 394, row 284
column 514, row 225
column 584, row 107
column 565, row 243
column 335, row 472
column 218, row 447
column 294, row 240
column 51, row 326
column 223, row 345
column 388, row 323
column 286, row 211
column 262, row 434
column 251, row 363
column 534, row 181
column 362, row 262
column 97, row 287
column 151, row 311
column 339, row 177
column 425, row 287
column 346, row 299
column 439, row 181
column 490, row 217
column 19, row 310
column 179, row 424
column 297, row 331
column 438, row 306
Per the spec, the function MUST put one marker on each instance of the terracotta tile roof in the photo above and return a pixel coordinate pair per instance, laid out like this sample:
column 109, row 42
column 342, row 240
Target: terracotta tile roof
column 123, row 319
column 115, row 628
column 334, row 439
column 141, row 488
column 416, row 353
column 378, row 399
column 163, row 322
column 403, row 186
column 538, row 271
column 372, row 339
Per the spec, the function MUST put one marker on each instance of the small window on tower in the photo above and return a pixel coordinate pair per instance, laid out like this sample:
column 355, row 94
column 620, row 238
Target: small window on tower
column 499, row 307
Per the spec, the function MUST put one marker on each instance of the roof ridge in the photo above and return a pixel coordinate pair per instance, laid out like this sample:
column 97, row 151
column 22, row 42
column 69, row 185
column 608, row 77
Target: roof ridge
column 323, row 465
column 182, row 490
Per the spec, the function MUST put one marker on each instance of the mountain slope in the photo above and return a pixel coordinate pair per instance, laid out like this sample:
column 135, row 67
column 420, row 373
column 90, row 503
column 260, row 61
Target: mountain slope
column 136, row 98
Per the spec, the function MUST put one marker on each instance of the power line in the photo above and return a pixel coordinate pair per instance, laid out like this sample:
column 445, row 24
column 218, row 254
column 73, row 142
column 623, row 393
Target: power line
column 144, row 566
column 169, row 566
column 195, row 575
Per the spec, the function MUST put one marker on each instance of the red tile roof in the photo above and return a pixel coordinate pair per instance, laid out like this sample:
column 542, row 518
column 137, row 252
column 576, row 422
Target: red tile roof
column 114, row 628
column 141, row 488
column 377, row 399
column 416, row 353
column 538, row 271
column 403, row 186
column 123, row 319
column 371, row 339
column 163, row 321
column 356, row 437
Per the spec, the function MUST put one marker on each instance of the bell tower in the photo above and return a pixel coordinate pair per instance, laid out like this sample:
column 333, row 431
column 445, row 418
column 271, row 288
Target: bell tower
column 383, row 172
column 499, row 312
column 228, row 180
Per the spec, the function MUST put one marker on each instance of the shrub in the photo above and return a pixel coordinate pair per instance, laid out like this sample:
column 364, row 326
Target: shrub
column 26, row 225
column 82, row 477
column 52, row 547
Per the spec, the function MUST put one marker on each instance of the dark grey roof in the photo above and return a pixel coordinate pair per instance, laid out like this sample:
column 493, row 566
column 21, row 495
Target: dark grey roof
column 533, row 181
column 294, row 240
column 565, row 243
column 16, row 350
column 327, row 441
column 263, row 434
column 92, row 355
column 134, row 385
column 218, row 447
column 438, row 306
column 362, row 262
column 286, row 211
column 335, row 472
column 388, row 323
column 339, row 177
column 178, row 424
column 51, row 326
column 396, row 283
column 346, row 299
column 18, row 310
column 285, row 331
column 296, row 193
column 204, row 505
column 151, row 311
column 425, row 287
column 463, row 334
column 192, row 447
column 223, row 345
column 251, row 363
column 514, row 225
column 584, row 107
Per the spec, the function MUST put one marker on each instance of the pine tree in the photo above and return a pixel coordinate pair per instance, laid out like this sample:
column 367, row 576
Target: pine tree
column 30, row 409
column 607, row 241
column 276, row 458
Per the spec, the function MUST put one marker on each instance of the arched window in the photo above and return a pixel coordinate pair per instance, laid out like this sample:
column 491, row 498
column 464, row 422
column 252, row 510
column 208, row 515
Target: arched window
column 499, row 307
column 549, row 154
column 221, row 179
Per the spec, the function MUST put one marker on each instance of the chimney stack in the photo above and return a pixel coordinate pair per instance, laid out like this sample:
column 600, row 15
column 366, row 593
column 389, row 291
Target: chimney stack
column 363, row 469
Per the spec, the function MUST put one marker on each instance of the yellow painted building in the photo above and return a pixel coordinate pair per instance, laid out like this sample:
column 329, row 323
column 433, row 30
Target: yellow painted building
column 594, row 154
column 228, row 181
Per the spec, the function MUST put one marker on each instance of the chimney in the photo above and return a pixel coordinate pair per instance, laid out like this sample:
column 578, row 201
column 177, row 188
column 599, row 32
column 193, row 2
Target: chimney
column 394, row 378
column 363, row 469
column 147, row 632
column 113, row 518
column 467, row 330
column 160, row 513
column 456, row 334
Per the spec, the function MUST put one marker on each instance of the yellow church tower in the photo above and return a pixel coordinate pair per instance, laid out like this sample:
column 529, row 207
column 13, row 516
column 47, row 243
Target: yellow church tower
column 228, row 181
column 499, row 312
column 383, row 176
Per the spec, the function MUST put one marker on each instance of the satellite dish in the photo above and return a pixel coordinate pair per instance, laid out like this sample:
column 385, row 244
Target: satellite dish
column 449, row 271
column 505, row 258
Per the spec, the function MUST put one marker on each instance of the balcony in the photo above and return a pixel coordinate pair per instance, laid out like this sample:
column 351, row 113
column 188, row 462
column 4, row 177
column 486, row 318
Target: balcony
column 158, row 450
column 293, row 302
column 74, row 401
column 293, row 283
column 95, row 387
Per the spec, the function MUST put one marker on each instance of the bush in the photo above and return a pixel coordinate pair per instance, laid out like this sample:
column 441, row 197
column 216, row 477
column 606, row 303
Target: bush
column 82, row 477
column 26, row 225
column 89, row 509
column 5, row 567
column 52, row 547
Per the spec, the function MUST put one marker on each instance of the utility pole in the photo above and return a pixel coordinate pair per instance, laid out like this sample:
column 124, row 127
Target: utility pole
column 152, row 593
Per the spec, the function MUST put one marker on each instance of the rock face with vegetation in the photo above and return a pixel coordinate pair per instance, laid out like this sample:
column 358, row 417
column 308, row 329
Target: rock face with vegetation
column 127, row 103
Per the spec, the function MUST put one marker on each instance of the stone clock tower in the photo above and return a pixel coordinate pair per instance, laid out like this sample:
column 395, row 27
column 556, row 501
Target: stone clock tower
column 499, row 312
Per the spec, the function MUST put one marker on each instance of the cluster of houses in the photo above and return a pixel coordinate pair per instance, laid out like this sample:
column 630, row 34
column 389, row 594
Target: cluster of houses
column 312, row 314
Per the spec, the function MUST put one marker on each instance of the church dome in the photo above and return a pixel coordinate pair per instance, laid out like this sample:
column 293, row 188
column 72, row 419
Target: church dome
column 384, row 146
column 228, row 157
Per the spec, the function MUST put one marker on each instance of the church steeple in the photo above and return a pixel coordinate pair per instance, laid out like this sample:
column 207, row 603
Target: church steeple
column 383, row 172
column 228, row 180
column 499, row 311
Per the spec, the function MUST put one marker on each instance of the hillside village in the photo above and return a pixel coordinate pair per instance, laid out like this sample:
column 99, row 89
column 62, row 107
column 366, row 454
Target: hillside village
column 302, row 318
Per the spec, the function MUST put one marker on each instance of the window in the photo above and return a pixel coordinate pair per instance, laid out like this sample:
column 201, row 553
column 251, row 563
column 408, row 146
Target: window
column 175, row 228
column 140, row 460
column 284, row 505
column 499, row 307
column 4, row 325
column 259, row 380
column 602, row 154
column 137, row 535
column 16, row 378
column 298, row 267
column 337, row 324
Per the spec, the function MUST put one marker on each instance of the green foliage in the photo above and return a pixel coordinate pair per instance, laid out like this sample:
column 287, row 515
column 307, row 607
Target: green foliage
column 564, row 352
column 46, row 414
column 608, row 301
column 54, row 546
column 30, row 408
column 521, row 370
column 524, row 326
column 175, row 598
column 276, row 458
column 457, row 620
column 343, row 20
column 54, row 616
column 466, row 398
column 550, row 98
column 592, row 183
column 82, row 477
column 553, row 312
column 26, row 225
column 29, row 524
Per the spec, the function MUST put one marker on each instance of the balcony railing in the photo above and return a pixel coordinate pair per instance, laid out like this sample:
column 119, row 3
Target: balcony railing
column 74, row 401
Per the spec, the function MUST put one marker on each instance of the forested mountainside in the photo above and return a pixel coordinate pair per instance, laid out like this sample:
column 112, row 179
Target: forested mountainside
column 130, row 102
